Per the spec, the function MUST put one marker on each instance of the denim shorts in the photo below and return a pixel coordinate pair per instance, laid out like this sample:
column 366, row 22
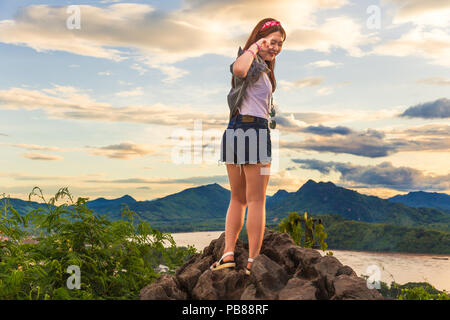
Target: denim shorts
column 246, row 140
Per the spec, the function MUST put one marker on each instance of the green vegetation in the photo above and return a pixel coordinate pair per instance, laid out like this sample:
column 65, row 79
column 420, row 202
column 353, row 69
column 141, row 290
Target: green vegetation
column 294, row 225
column 411, row 291
column 420, row 293
column 345, row 234
column 326, row 198
column 354, row 235
column 115, row 259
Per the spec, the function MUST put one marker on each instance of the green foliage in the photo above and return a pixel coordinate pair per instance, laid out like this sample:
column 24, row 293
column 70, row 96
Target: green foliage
column 412, row 291
column 116, row 259
column 293, row 225
column 355, row 235
column 420, row 293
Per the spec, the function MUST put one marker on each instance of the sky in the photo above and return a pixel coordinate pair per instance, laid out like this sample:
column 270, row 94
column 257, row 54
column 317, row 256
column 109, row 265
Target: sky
column 106, row 97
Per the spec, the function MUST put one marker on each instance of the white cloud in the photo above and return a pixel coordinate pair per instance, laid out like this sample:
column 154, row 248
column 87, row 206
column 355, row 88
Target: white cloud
column 325, row 91
column 438, row 81
column 323, row 63
column 419, row 12
column 301, row 83
column 433, row 45
column 136, row 92
column 63, row 102
column 339, row 32
column 34, row 147
column 158, row 39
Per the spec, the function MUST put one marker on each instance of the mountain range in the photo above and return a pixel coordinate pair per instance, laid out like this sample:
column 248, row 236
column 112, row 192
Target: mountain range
column 418, row 199
column 207, row 203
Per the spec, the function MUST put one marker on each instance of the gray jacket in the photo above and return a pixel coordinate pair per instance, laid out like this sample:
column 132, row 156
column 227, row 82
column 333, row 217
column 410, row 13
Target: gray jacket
column 237, row 93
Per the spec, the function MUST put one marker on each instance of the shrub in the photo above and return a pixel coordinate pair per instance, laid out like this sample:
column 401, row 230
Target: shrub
column 292, row 225
column 116, row 259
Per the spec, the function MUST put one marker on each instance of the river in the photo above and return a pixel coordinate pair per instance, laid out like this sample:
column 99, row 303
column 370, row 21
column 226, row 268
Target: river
column 390, row 266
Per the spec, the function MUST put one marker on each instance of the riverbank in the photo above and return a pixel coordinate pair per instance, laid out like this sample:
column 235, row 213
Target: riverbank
column 392, row 266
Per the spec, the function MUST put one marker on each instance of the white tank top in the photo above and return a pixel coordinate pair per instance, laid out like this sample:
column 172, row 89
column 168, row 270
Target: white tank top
column 257, row 97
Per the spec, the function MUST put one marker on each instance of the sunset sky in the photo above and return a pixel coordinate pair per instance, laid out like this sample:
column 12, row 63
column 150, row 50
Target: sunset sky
column 363, row 94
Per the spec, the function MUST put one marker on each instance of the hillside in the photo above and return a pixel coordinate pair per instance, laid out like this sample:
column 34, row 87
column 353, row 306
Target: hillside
column 206, row 206
column 327, row 198
column 417, row 199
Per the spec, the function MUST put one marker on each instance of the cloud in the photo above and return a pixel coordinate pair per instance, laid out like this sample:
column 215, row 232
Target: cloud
column 433, row 45
column 325, row 91
column 130, row 93
column 302, row 83
column 139, row 68
column 323, row 64
column 40, row 156
column 370, row 143
column 130, row 27
column 312, row 117
column 334, row 33
column 296, row 121
column 161, row 181
column 439, row 81
column 123, row 150
column 153, row 38
column 311, row 82
column 242, row 14
column 429, row 110
column 327, row 131
column 35, row 147
column 380, row 175
column 31, row 177
column 430, row 12
column 71, row 103
column 440, row 130
column 124, row 83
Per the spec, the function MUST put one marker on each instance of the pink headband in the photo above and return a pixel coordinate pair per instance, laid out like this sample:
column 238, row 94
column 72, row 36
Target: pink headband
column 270, row 23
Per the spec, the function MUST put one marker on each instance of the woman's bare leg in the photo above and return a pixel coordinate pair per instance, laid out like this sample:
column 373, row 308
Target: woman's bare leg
column 256, row 201
column 236, row 209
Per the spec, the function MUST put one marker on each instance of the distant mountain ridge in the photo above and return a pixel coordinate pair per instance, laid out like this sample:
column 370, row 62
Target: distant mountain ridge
column 210, row 203
column 417, row 199
column 327, row 198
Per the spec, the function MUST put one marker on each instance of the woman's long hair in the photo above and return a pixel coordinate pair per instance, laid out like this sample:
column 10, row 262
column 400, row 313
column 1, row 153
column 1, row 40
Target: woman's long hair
column 258, row 34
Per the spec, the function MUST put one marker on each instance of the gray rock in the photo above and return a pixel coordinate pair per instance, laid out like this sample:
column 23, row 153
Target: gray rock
column 164, row 288
column 298, row 289
column 353, row 288
column 282, row 271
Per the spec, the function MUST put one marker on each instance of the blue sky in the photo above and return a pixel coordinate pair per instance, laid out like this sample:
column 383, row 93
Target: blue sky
column 94, row 109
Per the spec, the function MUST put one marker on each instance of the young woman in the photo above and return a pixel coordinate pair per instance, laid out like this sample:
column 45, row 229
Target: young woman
column 247, row 138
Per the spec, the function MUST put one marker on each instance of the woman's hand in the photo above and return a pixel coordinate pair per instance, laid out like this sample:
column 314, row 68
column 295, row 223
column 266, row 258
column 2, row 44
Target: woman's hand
column 264, row 44
column 243, row 62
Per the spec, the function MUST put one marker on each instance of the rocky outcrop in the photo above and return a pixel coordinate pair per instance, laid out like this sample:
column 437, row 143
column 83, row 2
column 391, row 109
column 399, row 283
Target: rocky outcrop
column 282, row 271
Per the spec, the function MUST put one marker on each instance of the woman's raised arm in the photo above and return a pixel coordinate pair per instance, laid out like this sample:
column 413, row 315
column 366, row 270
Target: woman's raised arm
column 244, row 61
